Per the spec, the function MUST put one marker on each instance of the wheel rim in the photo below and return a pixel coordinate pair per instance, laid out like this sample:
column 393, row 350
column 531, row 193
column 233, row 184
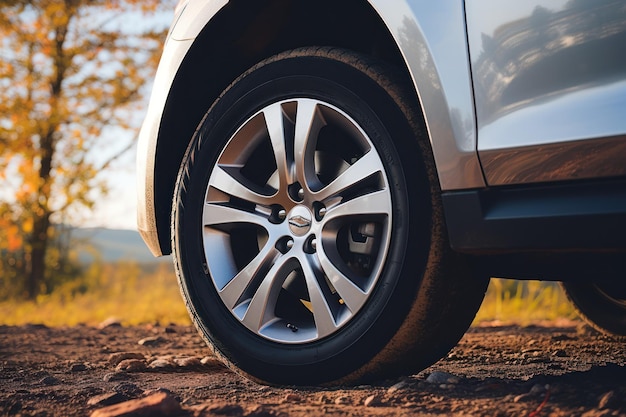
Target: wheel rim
column 297, row 221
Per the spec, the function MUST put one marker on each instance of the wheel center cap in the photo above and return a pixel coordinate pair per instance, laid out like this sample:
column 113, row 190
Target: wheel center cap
column 300, row 220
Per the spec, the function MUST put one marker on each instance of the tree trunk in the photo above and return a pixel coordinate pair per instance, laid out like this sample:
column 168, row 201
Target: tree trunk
column 39, row 245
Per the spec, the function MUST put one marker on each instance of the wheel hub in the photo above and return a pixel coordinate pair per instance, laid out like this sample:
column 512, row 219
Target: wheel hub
column 300, row 219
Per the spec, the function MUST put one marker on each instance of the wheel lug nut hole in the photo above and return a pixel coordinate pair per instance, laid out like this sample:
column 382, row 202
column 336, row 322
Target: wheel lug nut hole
column 310, row 245
column 279, row 214
column 296, row 192
column 284, row 244
column 320, row 210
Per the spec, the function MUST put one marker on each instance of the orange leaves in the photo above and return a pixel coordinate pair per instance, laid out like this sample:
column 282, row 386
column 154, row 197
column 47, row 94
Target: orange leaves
column 14, row 238
column 69, row 71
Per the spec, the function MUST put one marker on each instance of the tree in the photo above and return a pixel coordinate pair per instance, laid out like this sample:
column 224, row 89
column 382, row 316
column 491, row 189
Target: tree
column 70, row 71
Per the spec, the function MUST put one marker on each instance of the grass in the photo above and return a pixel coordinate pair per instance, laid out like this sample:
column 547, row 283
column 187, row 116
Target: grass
column 123, row 292
column 524, row 303
column 134, row 295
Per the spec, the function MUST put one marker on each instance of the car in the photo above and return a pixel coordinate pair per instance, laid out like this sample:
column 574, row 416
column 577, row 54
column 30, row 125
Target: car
column 338, row 181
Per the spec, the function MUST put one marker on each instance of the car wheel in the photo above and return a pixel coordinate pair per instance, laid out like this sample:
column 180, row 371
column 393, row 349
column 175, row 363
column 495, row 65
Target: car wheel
column 602, row 305
column 308, row 234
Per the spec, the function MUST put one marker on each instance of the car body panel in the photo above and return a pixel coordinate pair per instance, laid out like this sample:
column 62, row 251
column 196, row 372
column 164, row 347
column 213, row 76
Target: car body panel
column 194, row 17
column 550, row 88
column 147, row 143
column 431, row 37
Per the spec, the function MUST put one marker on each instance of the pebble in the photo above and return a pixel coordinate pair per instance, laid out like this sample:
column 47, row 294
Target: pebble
column 107, row 399
column 191, row 362
column 78, row 367
column 116, row 358
column 161, row 363
column 160, row 403
column 292, row 397
column 373, row 401
column 608, row 400
column 439, row 377
column 342, row 400
column 212, row 361
column 49, row 380
column 534, row 391
column 110, row 322
column 151, row 341
column 226, row 410
column 396, row 387
column 128, row 389
column 115, row 376
column 131, row 365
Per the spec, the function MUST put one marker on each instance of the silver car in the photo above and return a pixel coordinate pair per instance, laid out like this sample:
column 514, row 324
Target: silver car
column 337, row 180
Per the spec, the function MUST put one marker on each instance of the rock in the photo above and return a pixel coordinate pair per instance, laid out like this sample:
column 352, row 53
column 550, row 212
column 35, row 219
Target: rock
column 292, row 397
column 131, row 365
column 107, row 399
column 560, row 353
column 49, row 380
column 396, row 387
column 342, row 400
column 261, row 411
column 191, row 362
column 162, row 363
column 110, row 322
column 534, row 391
column 212, row 362
column 151, row 341
column 169, row 330
column 226, row 410
column 538, row 389
column 116, row 358
column 439, row 377
column 159, row 404
column 78, row 367
column 115, row 376
column 130, row 390
column 373, row 401
column 608, row 400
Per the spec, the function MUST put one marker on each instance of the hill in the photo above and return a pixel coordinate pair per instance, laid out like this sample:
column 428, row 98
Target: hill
column 112, row 245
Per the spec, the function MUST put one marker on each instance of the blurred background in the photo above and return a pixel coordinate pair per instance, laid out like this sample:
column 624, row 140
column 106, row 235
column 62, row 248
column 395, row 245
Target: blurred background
column 75, row 77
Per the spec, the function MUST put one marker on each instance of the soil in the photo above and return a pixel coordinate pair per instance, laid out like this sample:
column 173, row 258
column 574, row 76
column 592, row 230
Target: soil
column 541, row 370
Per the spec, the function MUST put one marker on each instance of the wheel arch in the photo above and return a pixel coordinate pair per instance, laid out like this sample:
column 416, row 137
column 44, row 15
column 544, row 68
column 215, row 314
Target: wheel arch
column 237, row 37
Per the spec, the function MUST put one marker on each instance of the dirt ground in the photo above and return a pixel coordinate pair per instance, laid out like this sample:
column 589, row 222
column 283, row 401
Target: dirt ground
column 532, row 371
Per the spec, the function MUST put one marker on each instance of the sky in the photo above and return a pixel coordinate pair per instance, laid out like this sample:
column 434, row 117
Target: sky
column 118, row 209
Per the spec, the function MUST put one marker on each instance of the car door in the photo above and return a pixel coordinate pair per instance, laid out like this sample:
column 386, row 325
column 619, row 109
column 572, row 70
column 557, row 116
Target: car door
column 549, row 80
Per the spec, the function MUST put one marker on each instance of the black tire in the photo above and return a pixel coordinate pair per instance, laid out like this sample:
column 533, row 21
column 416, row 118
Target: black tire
column 602, row 305
column 419, row 296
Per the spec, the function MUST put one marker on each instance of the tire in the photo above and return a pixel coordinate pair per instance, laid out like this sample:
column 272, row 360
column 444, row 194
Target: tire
column 321, row 259
column 602, row 305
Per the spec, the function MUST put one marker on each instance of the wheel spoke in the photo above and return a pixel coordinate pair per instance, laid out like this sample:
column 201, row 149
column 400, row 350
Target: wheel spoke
column 233, row 292
column 217, row 214
column 308, row 124
column 275, row 122
column 322, row 313
column 350, row 293
column 377, row 202
column 365, row 167
column 224, row 181
column 260, row 311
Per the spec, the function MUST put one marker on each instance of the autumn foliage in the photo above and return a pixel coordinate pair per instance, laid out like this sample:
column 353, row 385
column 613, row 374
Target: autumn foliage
column 72, row 73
